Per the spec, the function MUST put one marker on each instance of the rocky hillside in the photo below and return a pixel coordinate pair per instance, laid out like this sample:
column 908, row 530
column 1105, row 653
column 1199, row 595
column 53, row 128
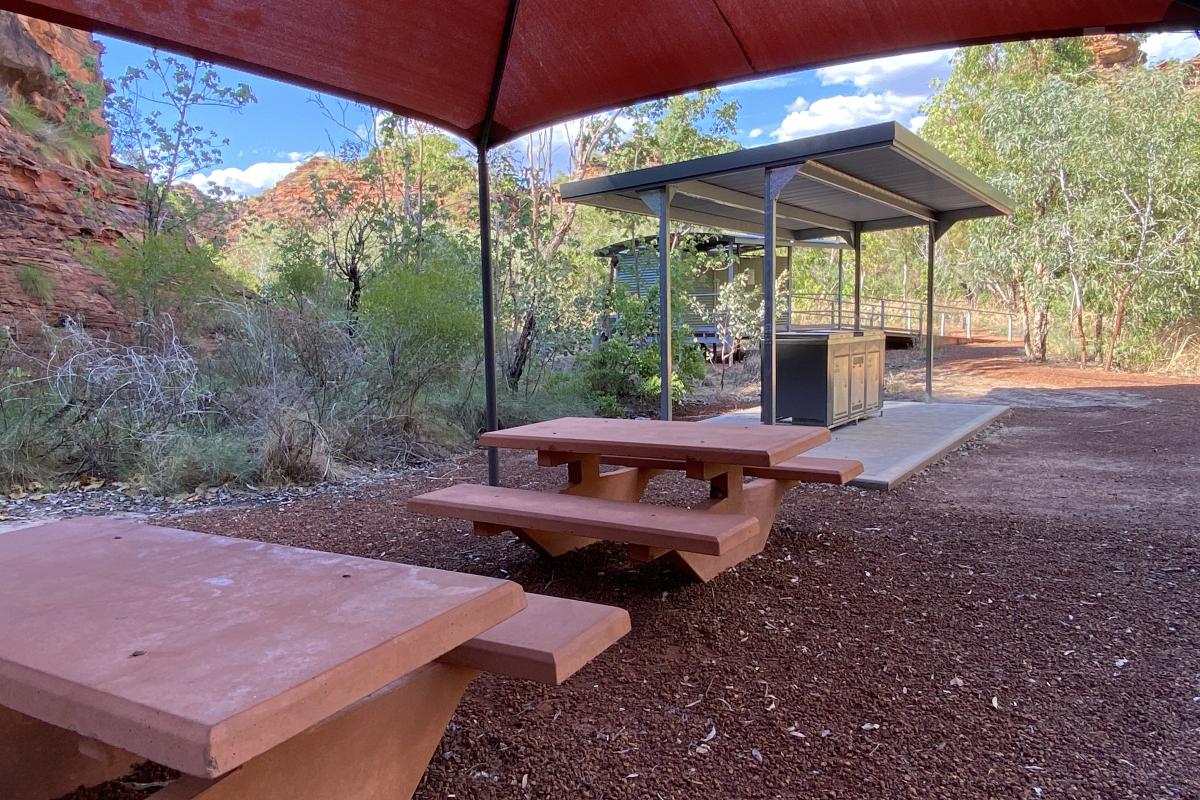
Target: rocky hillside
column 51, row 201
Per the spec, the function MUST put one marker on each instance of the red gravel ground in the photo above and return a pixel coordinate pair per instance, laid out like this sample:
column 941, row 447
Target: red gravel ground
column 1021, row 620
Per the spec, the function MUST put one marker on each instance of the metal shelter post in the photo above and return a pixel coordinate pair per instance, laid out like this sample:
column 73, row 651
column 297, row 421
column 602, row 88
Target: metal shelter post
column 773, row 182
column 929, row 314
column 841, row 282
column 857, row 276
column 490, row 417
column 659, row 201
column 790, row 251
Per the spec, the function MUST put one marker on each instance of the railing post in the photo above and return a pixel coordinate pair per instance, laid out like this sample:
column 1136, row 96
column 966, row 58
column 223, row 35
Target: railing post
column 882, row 315
column 1010, row 327
column 943, row 333
column 968, row 316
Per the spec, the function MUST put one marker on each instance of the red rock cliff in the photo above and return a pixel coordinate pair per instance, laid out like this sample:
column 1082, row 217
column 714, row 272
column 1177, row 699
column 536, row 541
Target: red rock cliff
column 48, row 208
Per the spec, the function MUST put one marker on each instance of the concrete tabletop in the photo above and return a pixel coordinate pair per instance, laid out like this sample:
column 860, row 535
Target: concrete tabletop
column 200, row 652
column 742, row 445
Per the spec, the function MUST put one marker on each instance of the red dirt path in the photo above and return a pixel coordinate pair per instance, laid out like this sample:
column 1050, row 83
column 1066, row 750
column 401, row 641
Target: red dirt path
column 1021, row 620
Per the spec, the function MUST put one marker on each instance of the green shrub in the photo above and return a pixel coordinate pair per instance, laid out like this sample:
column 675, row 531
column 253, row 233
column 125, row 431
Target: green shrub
column 24, row 117
column 185, row 460
column 36, row 283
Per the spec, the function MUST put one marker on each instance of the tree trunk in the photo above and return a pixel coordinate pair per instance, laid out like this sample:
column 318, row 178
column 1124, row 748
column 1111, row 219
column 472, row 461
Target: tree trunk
column 519, row 354
column 1118, row 323
column 1082, row 333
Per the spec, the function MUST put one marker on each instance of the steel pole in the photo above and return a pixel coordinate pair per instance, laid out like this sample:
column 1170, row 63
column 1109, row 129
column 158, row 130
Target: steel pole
column 857, row 275
column 767, row 374
column 490, row 416
column 664, row 306
column 929, row 317
column 840, row 289
column 773, row 182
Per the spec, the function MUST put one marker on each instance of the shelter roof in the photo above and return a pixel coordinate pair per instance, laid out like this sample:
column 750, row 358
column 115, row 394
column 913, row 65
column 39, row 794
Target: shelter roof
column 880, row 176
column 460, row 63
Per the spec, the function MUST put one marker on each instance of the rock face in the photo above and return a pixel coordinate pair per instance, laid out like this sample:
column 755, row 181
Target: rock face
column 49, row 209
column 1115, row 50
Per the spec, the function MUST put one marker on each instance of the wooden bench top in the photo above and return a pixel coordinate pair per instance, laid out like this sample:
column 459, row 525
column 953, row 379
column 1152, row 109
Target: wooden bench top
column 806, row 469
column 745, row 445
column 200, row 652
column 548, row 642
column 663, row 527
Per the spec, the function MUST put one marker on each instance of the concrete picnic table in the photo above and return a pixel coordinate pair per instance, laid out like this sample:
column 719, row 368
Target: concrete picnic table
column 730, row 527
column 259, row 671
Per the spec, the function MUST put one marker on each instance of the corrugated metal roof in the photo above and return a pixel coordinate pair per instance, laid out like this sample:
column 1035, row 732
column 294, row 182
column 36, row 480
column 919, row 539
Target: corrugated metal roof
column 882, row 176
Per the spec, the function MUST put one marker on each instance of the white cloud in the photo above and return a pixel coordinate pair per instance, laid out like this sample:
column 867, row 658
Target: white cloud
column 904, row 73
column 846, row 111
column 252, row 180
column 917, row 122
column 1179, row 46
column 754, row 133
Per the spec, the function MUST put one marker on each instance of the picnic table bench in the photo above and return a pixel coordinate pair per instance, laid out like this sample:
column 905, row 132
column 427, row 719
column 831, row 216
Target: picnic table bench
column 596, row 505
column 261, row 672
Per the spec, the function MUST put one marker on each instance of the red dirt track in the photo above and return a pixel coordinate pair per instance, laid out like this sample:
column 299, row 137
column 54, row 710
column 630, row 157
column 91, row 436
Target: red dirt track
column 1021, row 620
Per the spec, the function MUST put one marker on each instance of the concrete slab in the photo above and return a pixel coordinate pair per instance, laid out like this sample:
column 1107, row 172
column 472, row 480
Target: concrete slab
column 906, row 439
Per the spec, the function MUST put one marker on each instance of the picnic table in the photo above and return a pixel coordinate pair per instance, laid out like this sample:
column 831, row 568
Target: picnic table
column 259, row 671
column 597, row 505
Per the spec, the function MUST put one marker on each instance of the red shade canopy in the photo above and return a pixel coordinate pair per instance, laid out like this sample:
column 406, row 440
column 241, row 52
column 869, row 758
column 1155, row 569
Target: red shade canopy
column 439, row 60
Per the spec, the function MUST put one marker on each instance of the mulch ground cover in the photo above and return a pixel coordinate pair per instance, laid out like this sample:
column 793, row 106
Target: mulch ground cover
column 1021, row 620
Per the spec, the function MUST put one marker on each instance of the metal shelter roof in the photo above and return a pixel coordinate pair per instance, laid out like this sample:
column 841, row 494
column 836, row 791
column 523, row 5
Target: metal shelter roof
column 881, row 176
column 491, row 70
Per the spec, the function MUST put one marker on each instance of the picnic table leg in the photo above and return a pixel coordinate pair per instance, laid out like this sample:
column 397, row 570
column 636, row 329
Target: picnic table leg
column 40, row 761
column 585, row 479
column 760, row 498
column 376, row 748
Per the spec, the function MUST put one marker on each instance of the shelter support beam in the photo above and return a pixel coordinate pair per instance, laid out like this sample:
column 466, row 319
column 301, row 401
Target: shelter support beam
column 490, row 416
column 929, row 313
column 773, row 182
column 659, row 202
column 858, row 276
column 937, row 229
column 841, row 284
column 482, row 145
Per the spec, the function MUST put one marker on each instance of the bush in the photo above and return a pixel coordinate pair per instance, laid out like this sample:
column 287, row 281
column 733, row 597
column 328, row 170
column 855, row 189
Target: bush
column 24, row 117
column 36, row 283
column 186, row 460
column 622, row 373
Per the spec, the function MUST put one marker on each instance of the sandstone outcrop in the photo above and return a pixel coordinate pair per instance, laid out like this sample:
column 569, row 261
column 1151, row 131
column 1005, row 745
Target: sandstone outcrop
column 49, row 210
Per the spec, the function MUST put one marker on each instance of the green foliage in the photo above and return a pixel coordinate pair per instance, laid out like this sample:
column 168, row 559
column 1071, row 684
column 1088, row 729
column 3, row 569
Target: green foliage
column 421, row 326
column 55, row 141
column 156, row 273
column 622, row 373
column 24, row 117
column 37, row 283
column 164, row 143
column 1104, row 170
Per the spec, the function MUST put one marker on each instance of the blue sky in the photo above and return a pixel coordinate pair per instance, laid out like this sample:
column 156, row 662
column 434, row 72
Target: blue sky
column 269, row 138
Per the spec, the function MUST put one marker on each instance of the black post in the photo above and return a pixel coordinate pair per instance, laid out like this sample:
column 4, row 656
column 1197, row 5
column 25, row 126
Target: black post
column 929, row 316
column 665, row 365
column 857, row 226
column 490, row 417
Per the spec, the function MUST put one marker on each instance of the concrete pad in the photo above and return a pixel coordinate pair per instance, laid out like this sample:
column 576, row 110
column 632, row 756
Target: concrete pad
column 907, row 438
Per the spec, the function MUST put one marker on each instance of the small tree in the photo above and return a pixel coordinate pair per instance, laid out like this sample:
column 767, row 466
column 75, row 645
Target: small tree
column 152, row 119
column 736, row 314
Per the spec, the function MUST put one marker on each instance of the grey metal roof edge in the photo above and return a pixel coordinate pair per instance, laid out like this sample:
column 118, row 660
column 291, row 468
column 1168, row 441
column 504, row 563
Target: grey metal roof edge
column 916, row 149
column 882, row 134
